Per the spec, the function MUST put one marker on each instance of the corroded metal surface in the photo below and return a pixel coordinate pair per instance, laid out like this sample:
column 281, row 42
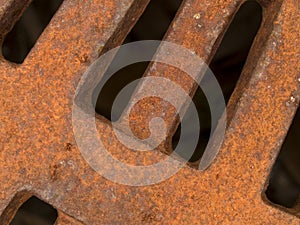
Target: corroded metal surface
column 38, row 153
column 64, row 219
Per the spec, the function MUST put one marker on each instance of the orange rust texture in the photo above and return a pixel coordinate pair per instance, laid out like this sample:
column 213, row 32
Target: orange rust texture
column 198, row 27
column 39, row 155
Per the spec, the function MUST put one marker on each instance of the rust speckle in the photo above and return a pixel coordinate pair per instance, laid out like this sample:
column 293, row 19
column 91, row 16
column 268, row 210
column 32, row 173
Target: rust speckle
column 150, row 216
column 68, row 147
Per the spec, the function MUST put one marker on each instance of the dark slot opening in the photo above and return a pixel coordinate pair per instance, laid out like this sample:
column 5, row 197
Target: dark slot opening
column 227, row 66
column 21, row 39
column 35, row 212
column 284, row 183
column 152, row 25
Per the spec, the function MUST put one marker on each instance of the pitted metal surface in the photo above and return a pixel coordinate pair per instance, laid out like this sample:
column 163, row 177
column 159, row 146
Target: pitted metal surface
column 39, row 155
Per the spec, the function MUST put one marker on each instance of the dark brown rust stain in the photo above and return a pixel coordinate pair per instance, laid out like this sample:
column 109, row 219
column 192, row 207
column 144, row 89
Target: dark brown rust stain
column 68, row 147
column 36, row 121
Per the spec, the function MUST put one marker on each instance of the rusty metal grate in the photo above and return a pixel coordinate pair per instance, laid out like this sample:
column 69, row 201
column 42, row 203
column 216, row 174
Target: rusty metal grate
column 39, row 155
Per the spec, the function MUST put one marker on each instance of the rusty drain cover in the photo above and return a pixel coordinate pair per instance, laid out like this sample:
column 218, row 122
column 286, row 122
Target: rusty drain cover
column 39, row 154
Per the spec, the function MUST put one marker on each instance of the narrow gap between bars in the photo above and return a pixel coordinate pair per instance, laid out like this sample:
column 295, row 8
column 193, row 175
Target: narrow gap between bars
column 26, row 31
column 227, row 66
column 35, row 212
column 152, row 25
column 26, row 208
column 283, row 189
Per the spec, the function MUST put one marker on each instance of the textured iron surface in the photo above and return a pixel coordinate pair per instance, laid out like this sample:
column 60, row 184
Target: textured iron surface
column 38, row 153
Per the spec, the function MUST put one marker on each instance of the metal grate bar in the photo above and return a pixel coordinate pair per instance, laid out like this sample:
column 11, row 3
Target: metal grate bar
column 76, row 35
column 189, row 29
